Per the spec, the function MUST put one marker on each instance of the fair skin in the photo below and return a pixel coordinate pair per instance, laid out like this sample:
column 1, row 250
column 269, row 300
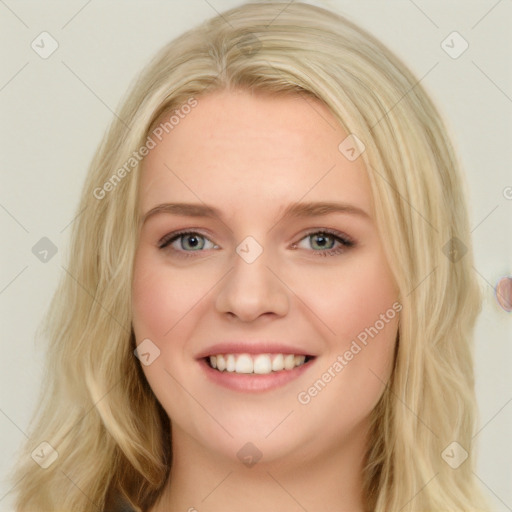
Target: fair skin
column 250, row 156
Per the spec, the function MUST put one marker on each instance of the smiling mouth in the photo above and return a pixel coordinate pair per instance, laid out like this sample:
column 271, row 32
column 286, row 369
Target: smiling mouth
column 258, row 364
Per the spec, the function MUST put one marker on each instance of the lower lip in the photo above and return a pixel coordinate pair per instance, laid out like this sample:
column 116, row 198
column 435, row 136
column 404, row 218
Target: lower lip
column 253, row 382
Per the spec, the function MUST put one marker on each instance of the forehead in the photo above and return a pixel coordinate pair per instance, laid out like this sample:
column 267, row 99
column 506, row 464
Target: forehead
column 253, row 150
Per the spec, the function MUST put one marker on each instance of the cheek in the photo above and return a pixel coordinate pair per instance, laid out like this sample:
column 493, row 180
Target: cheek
column 356, row 304
column 161, row 296
column 351, row 298
column 368, row 303
column 163, row 311
column 368, row 323
column 151, row 301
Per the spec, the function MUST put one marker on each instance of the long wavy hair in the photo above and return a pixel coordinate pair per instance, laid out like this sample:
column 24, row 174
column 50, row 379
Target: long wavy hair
column 110, row 434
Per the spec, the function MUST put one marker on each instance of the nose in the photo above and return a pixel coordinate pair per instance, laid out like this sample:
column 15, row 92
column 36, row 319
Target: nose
column 251, row 290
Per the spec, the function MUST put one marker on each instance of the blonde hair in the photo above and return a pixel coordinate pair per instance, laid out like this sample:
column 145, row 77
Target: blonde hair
column 99, row 413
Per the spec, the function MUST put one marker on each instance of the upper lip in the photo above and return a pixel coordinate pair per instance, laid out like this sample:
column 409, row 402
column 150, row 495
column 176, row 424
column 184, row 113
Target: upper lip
column 252, row 347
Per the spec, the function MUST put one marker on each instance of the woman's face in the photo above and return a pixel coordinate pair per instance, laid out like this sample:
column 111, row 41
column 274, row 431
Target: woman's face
column 282, row 259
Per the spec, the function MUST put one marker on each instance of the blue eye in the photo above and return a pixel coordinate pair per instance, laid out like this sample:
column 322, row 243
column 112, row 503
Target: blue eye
column 321, row 243
column 326, row 243
column 187, row 241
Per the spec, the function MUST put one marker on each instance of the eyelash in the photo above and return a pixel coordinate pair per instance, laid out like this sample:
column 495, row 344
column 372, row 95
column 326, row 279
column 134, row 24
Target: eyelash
column 345, row 241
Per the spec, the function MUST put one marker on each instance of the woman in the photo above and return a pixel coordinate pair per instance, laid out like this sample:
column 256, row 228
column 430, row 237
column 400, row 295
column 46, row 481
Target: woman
column 203, row 356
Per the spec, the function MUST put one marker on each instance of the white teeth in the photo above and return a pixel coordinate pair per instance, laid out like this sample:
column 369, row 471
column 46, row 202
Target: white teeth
column 221, row 363
column 230, row 363
column 289, row 362
column 260, row 363
column 244, row 364
column 278, row 363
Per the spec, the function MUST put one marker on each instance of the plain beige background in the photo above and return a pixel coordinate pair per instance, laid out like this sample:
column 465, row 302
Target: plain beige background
column 55, row 110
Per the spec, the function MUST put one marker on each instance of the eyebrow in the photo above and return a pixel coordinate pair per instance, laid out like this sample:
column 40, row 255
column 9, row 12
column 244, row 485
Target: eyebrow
column 293, row 210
